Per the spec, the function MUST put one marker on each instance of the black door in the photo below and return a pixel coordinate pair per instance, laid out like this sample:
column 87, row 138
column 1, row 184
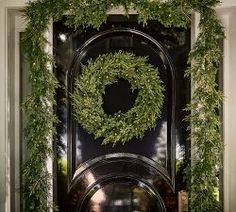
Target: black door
column 144, row 174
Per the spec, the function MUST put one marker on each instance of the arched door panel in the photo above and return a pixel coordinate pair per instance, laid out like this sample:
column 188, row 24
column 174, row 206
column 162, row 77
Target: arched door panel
column 121, row 182
column 144, row 174
column 161, row 138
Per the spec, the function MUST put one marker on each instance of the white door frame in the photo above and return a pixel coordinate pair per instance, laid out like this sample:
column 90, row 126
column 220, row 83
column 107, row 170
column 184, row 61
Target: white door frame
column 10, row 122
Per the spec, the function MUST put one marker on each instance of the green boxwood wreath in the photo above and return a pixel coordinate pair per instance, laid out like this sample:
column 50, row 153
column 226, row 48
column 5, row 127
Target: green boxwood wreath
column 105, row 70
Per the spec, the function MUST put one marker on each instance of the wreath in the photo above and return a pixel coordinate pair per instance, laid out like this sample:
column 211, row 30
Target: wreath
column 121, row 127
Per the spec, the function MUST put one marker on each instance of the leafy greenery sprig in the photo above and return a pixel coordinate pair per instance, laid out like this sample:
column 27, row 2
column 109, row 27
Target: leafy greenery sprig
column 94, row 13
column 206, row 99
column 106, row 70
column 204, row 119
column 40, row 120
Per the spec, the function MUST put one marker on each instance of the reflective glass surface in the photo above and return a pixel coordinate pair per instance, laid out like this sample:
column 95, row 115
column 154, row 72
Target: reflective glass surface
column 122, row 196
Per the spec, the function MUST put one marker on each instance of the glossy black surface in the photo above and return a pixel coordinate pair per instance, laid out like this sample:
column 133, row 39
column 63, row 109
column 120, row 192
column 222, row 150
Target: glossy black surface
column 163, row 147
column 129, row 180
column 122, row 196
column 119, row 97
column 142, row 45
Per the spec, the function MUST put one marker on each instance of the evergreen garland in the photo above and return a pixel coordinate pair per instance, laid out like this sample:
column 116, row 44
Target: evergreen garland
column 106, row 70
column 204, row 119
column 206, row 99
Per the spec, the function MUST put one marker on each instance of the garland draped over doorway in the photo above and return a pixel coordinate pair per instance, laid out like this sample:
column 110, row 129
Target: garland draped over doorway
column 203, row 118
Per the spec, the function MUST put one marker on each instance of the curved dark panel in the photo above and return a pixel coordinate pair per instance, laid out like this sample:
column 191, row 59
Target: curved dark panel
column 124, row 195
column 159, row 138
column 118, row 181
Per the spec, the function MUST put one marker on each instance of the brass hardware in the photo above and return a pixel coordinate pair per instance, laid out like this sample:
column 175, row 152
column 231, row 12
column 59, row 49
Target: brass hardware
column 183, row 201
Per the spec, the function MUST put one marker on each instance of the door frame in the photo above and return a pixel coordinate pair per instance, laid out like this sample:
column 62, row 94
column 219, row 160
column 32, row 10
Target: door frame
column 9, row 116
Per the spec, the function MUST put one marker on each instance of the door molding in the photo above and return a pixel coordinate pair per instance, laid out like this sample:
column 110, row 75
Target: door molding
column 226, row 12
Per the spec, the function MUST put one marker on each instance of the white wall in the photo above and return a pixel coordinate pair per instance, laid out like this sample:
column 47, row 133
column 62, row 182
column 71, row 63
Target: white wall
column 4, row 109
column 228, row 3
column 231, row 98
column 227, row 12
column 230, row 111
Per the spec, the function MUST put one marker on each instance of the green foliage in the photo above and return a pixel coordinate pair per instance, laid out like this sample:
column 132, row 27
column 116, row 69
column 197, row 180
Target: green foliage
column 204, row 119
column 206, row 99
column 105, row 70
column 40, row 120
column 94, row 13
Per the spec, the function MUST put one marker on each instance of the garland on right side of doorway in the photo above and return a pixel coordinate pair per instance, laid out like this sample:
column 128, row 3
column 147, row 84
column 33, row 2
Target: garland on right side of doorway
column 204, row 119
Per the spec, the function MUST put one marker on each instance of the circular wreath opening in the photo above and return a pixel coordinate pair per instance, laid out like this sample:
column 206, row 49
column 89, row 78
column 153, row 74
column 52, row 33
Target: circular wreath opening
column 119, row 97
column 90, row 86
